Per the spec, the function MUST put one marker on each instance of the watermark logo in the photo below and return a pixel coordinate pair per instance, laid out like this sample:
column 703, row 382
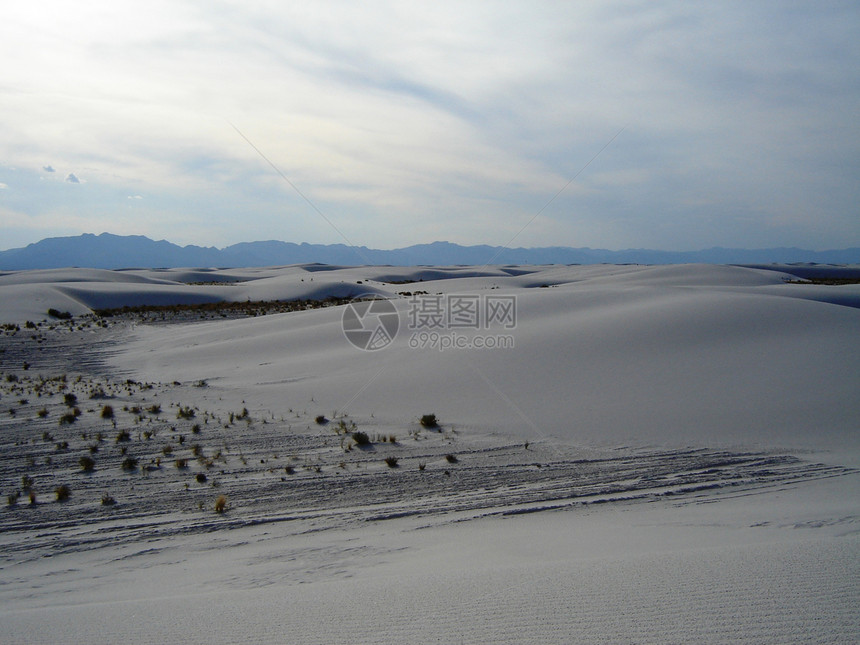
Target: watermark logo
column 449, row 321
column 370, row 323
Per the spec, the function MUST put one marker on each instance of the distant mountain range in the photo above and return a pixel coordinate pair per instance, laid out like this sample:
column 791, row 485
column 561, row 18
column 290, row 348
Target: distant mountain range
column 107, row 251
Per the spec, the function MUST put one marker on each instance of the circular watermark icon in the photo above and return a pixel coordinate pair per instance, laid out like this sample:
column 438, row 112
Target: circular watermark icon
column 370, row 323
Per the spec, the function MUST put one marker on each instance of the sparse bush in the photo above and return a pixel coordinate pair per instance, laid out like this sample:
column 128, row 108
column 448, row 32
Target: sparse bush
column 321, row 420
column 391, row 461
column 185, row 413
column 60, row 315
column 70, row 400
column 196, row 450
column 42, row 413
column 12, row 499
column 63, row 493
column 195, row 429
column 361, row 438
column 220, row 504
column 429, row 421
column 421, row 465
column 181, row 463
column 88, row 464
column 107, row 500
column 26, row 482
column 154, row 409
column 201, row 478
column 107, row 412
column 68, row 418
column 167, row 450
column 289, row 470
column 129, row 463
column 452, row 459
column 123, row 435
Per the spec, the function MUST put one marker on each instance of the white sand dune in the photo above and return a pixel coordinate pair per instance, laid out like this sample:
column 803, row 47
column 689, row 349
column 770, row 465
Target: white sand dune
column 615, row 374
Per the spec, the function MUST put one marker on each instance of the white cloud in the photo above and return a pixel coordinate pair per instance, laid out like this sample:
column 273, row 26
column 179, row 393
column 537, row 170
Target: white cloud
column 427, row 121
column 3, row 186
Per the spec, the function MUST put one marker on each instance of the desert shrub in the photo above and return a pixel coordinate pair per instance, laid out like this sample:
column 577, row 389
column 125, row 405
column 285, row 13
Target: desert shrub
column 289, row 470
column 88, row 464
column 391, row 461
column 93, row 448
column 70, row 400
column 47, row 436
column 220, row 504
column 107, row 412
column 421, row 465
column 123, row 435
column 321, row 420
column 31, row 495
column 26, row 482
column 154, row 409
column 167, row 450
column 181, row 463
column 68, row 418
column 185, row 413
column 452, row 459
column 42, row 413
column 12, row 499
column 201, row 478
column 60, row 315
column 196, row 450
column 361, row 438
column 129, row 463
column 63, row 493
column 107, row 500
column 429, row 421
column 195, row 429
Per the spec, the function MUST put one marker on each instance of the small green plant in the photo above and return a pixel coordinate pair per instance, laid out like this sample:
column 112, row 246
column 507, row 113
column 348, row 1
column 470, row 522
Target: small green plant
column 220, row 504
column 59, row 315
column 429, row 421
column 391, row 461
column 88, row 464
column 63, row 493
column 361, row 438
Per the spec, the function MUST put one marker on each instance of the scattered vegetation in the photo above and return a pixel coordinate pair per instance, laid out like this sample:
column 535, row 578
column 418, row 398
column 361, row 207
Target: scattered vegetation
column 59, row 315
column 88, row 464
column 63, row 493
column 361, row 438
column 185, row 413
column 429, row 421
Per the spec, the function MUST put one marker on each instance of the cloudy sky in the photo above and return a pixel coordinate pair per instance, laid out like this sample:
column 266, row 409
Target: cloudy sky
column 673, row 125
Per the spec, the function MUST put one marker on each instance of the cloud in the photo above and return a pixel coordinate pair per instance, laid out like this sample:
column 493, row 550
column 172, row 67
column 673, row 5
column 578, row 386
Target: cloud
column 451, row 121
column 72, row 179
column 3, row 186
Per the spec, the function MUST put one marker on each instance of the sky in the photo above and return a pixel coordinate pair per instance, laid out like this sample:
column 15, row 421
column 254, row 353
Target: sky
column 663, row 125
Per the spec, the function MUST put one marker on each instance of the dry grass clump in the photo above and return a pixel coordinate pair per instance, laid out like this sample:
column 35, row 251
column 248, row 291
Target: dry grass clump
column 88, row 464
column 429, row 421
column 63, row 493
column 391, row 461
column 220, row 504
